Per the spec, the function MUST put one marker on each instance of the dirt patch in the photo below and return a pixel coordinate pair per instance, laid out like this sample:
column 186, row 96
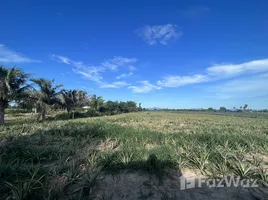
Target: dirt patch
column 191, row 174
column 130, row 186
column 263, row 159
column 107, row 145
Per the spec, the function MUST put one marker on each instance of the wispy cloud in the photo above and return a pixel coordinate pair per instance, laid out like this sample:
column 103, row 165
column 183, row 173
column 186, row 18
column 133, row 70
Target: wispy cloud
column 95, row 73
column 124, row 75
column 245, row 87
column 62, row 59
column 235, row 78
column 159, row 34
column 117, row 84
column 9, row 56
column 177, row 81
column 118, row 61
column 216, row 72
column 145, row 87
column 91, row 72
column 231, row 70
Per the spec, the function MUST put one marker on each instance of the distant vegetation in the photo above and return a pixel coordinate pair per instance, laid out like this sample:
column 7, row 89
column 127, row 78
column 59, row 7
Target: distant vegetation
column 210, row 109
column 41, row 96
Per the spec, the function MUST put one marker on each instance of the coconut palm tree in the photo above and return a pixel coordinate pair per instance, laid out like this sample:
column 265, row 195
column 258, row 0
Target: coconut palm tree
column 12, row 88
column 70, row 99
column 96, row 102
column 245, row 107
column 46, row 96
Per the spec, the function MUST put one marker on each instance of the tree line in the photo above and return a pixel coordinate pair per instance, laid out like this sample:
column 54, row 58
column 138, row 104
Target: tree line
column 43, row 95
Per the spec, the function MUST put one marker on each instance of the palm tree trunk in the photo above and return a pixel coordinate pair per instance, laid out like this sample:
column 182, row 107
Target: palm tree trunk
column 2, row 115
column 44, row 115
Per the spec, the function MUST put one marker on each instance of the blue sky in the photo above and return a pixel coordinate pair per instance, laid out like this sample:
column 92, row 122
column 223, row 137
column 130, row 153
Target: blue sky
column 169, row 54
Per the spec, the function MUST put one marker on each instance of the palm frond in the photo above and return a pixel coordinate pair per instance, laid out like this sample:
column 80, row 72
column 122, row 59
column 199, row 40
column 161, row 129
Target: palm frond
column 12, row 84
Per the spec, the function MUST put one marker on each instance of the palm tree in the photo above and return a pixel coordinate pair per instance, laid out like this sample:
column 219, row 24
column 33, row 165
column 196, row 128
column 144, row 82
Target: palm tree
column 46, row 96
column 70, row 99
column 12, row 88
column 245, row 107
column 96, row 102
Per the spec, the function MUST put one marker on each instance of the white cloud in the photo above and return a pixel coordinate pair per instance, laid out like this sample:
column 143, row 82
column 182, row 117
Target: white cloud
column 217, row 72
column 117, row 84
column 91, row 72
column 246, row 87
column 61, row 59
column 94, row 73
column 10, row 56
column 144, row 88
column 159, row 34
column 242, row 74
column 124, row 75
column 231, row 70
column 177, row 81
column 118, row 61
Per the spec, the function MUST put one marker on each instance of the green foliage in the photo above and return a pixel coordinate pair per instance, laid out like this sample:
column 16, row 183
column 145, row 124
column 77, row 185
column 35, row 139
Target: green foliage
column 96, row 102
column 210, row 109
column 115, row 107
column 13, row 87
column 46, row 96
column 245, row 107
column 223, row 109
column 70, row 99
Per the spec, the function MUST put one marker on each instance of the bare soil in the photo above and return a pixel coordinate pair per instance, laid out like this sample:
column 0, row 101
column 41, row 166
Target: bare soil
column 134, row 185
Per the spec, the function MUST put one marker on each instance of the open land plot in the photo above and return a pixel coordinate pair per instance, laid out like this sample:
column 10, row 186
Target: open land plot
column 132, row 156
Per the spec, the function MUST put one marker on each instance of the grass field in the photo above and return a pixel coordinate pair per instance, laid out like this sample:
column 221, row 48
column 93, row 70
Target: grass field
column 71, row 159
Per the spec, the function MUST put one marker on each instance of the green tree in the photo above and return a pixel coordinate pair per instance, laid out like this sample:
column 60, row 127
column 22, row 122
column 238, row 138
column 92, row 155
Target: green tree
column 46, row 96
column 112, row 106
column 139, row 108
column 245, row 107
column 223, row 109
column 123, row 107
column 13, row 87
column 96, row 102
column 131, row 106
column 210, row 109
column 71, row 99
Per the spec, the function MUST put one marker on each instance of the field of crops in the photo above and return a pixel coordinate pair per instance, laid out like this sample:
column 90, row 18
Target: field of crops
column 131, row 156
